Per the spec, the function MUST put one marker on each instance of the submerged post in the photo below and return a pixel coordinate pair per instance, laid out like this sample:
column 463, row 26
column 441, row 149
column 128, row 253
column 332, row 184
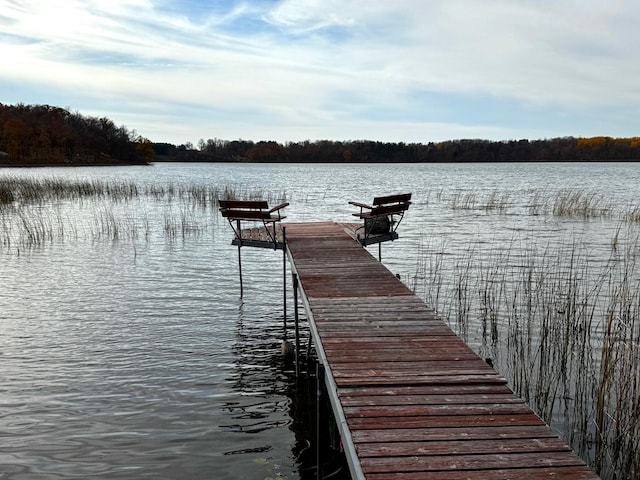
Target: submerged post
column 295, row 315
column 319, row 380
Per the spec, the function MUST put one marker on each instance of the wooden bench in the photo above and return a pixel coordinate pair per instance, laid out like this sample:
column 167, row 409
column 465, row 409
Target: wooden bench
column 382, row 217
column 238, row 211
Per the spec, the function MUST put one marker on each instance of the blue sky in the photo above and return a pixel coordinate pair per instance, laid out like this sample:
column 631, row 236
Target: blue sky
column 292, row 70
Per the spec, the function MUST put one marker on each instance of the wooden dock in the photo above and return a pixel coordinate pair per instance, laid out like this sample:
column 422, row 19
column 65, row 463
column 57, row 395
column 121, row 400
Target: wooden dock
column 411, row 399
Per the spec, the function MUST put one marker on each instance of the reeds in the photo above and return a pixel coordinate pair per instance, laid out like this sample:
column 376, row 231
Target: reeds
column 580, row 203
column 564, row 203
column 492, row 201
column 207, row 196
column 110, row 209
column 185, row 223
column 38, row 191
column 563, row 329
column 617, row 420
column 47, row 190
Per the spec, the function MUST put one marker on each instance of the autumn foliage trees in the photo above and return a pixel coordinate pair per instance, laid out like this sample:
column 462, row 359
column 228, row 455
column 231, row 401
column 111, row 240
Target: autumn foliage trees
column 568, row 149
column 46, row 135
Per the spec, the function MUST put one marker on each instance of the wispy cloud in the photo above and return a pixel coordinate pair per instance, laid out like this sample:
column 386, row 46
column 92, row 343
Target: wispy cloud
column 407, row 70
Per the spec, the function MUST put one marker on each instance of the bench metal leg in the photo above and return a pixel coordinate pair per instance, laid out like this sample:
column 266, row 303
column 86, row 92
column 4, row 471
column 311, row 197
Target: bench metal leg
column 272, row 233
column 240, row 260
column 284, row 278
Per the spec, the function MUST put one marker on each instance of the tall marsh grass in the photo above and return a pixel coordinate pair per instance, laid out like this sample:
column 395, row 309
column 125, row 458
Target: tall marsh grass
column 109, row 209
column 564, row 203
column 563, row 328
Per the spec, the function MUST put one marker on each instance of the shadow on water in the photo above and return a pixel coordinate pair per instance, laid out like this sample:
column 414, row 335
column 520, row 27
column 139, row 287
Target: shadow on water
column 305, row 399
column 271, row 397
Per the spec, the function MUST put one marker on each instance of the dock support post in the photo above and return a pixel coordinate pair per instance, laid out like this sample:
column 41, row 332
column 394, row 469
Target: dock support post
column 240, row 260
column 284, row 277
column 296, row 317
column 320, row 381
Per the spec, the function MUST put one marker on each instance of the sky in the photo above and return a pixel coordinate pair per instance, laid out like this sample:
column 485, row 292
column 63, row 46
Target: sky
column 292, row 70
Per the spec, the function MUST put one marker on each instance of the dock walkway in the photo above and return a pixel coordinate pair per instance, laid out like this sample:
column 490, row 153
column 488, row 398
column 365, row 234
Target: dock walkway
column 411, row 399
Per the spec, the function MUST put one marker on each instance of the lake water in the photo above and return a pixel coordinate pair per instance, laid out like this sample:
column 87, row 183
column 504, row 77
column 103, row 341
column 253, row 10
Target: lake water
column 126, row 351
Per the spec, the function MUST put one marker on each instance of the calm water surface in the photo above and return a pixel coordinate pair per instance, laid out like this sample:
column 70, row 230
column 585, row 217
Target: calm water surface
column 132, row 355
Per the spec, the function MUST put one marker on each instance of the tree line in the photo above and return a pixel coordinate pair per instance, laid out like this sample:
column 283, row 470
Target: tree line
column 47, row 135
column 569, row 149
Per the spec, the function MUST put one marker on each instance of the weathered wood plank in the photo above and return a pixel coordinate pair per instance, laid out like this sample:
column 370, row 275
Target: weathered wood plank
column 410, row 390
column 402, row 301
column 405, row 318
column 394, row 400
column 420, row 379
column 430, row 343
column 391, row 435
column 400, row 329
column 455, row 370
column 338, row 355
column 386, row 411
column 398, row 352
column 453, row 421
column 470, row 462
column 431, row 367
column 462, row 447
column 543, row 473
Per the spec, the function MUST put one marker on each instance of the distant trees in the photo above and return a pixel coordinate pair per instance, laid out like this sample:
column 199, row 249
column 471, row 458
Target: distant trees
column 567, row 149
column 45, row 135
column 144, row 148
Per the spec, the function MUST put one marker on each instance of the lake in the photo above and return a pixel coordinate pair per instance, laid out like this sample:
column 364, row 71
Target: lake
column 127, row 352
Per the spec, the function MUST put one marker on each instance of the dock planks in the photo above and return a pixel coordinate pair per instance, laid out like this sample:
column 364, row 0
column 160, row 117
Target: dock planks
column 411, row 399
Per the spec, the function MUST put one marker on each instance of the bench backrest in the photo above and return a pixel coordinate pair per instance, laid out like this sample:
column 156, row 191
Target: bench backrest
column 244, row 204
column 400, row 198
column 258, row 209
column 391, row 204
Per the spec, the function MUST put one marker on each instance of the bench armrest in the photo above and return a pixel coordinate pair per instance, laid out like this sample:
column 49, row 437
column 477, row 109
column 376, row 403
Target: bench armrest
column 361, row 205
column 279, row 207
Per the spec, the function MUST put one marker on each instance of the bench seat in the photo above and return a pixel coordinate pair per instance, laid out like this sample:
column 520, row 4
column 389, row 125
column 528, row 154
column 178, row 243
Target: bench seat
column 238, row 211
column 382, row 217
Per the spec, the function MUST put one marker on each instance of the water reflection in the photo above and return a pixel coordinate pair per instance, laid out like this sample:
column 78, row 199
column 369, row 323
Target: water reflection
column 125, row 353
column 271, row 396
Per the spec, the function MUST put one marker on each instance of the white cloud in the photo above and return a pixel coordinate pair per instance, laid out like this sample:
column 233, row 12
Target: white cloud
column 303, row 16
